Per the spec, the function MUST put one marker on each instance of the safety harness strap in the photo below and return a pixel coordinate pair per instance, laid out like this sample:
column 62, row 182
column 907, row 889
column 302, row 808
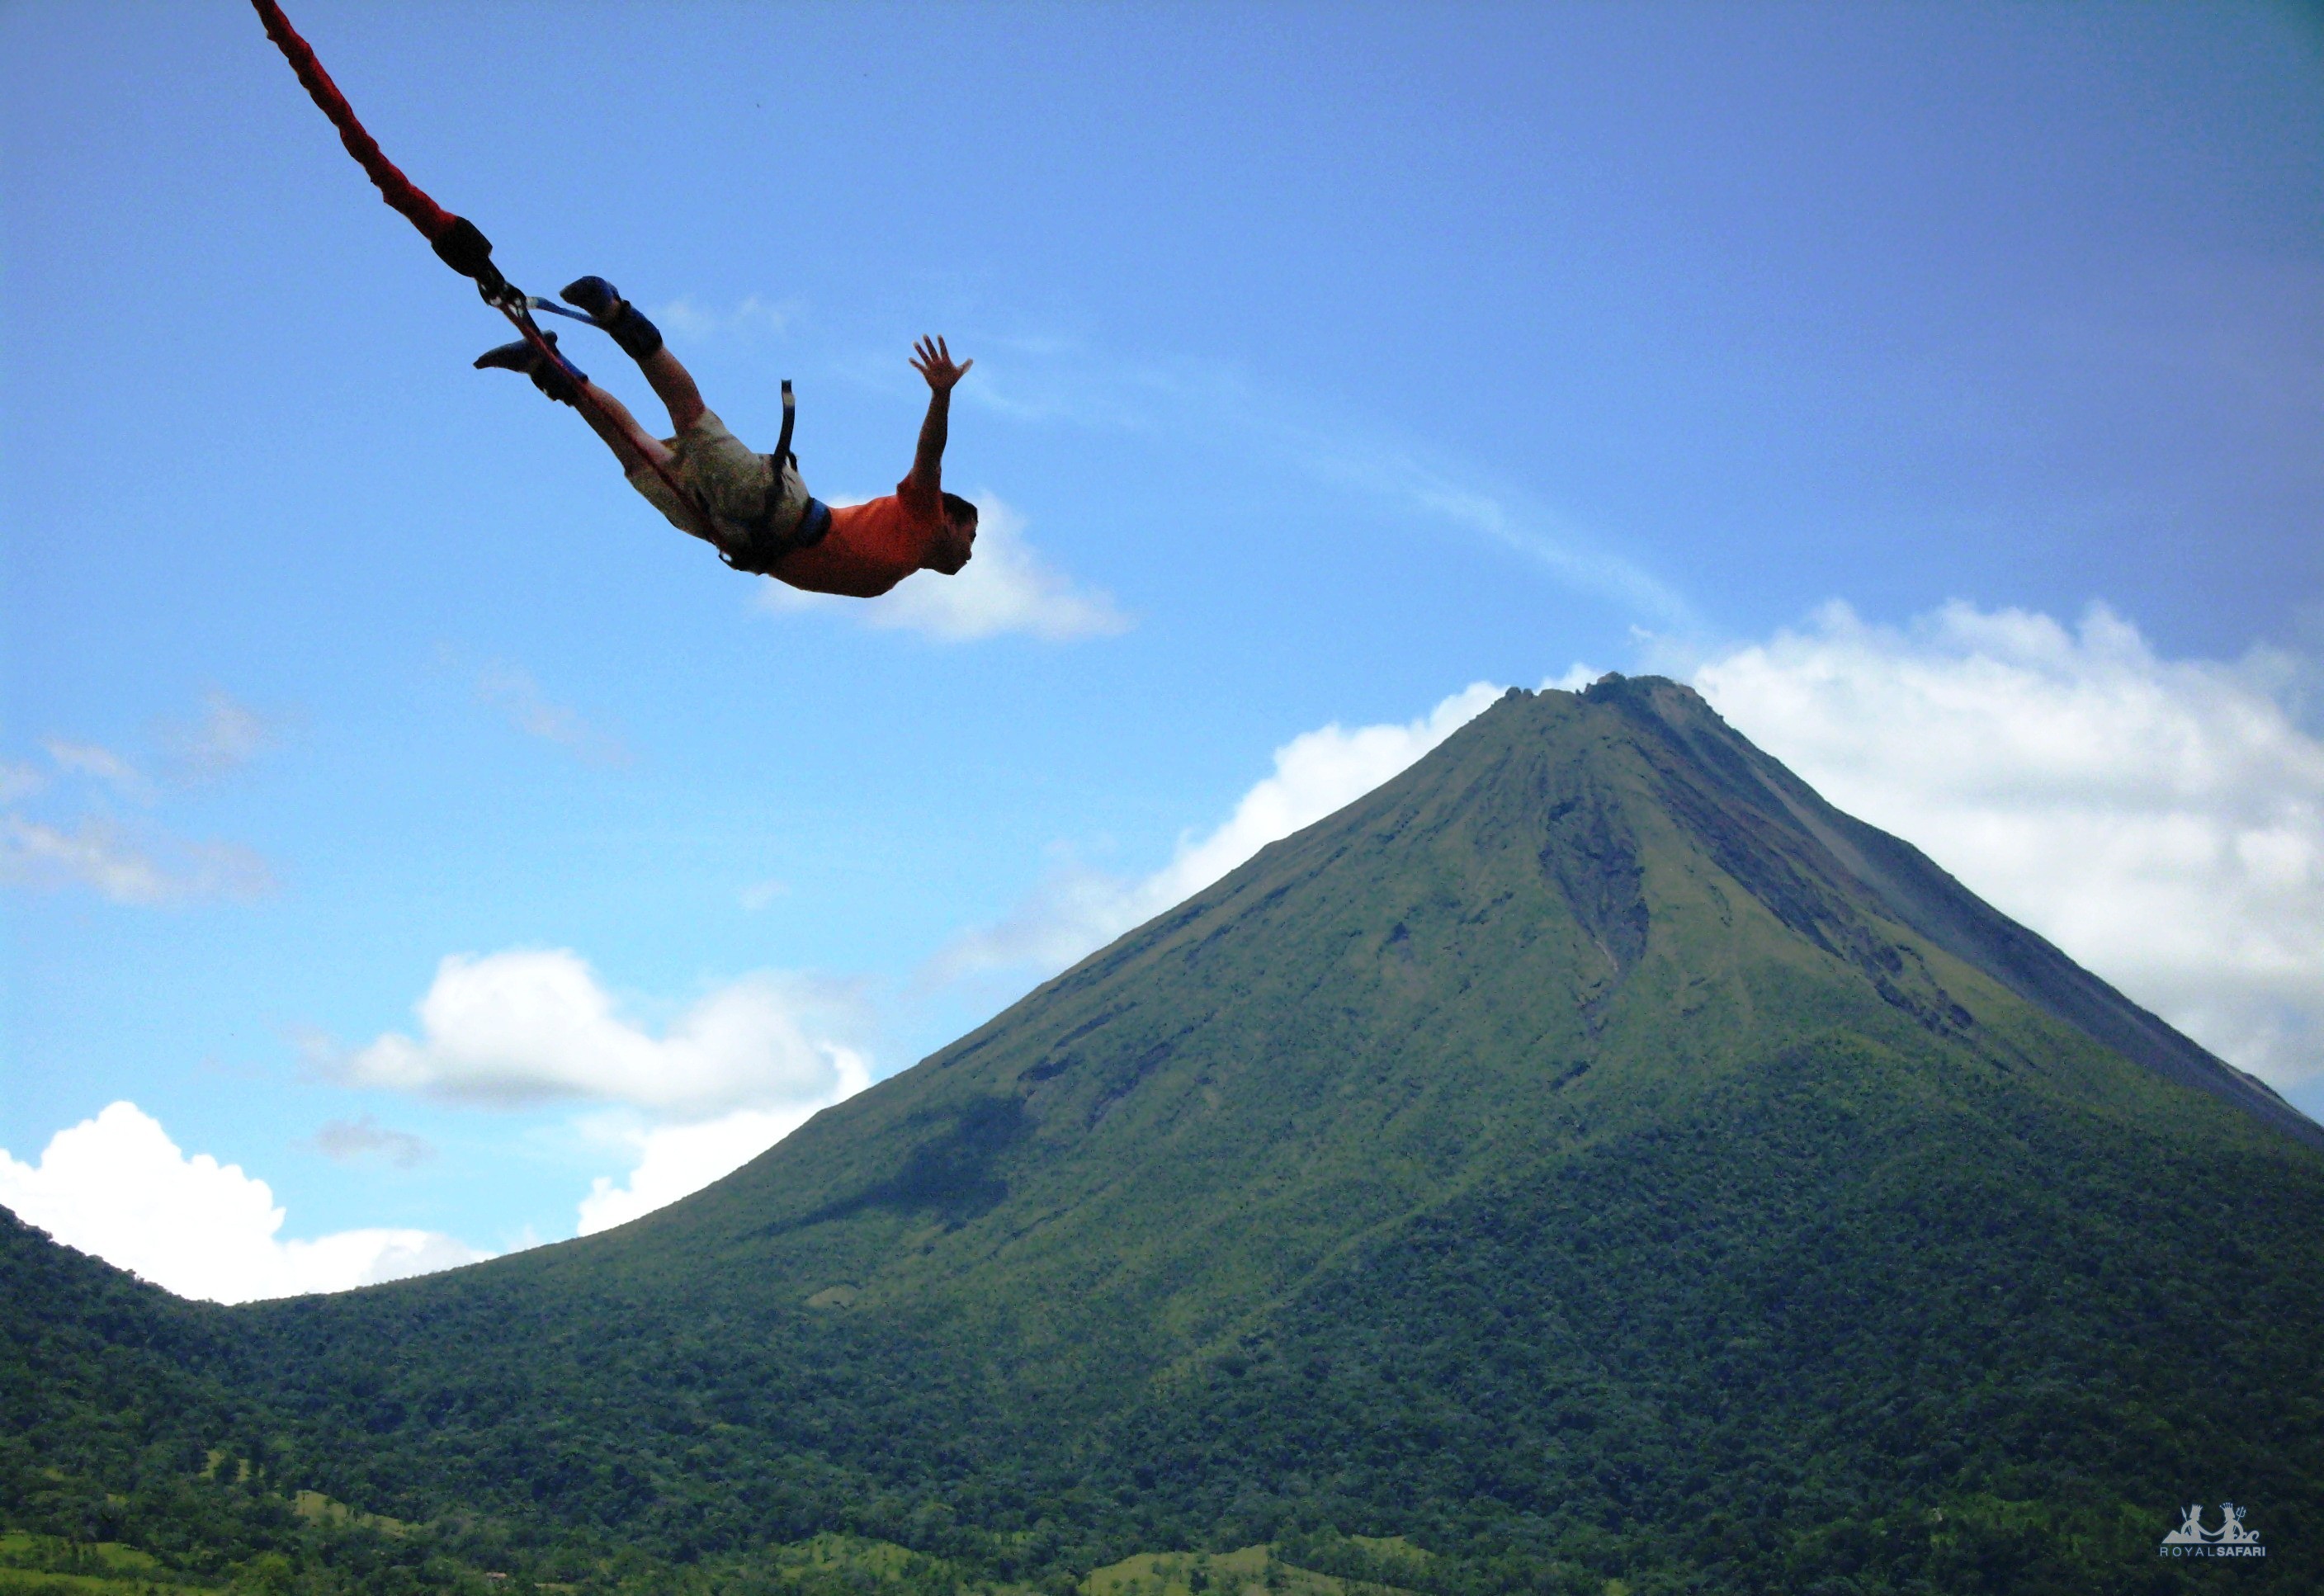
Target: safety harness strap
column 767, row 546
column 790, row 414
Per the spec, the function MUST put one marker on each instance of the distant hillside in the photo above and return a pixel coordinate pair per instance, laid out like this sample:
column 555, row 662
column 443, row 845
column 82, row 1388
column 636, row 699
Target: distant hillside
column 97, row 1369
column 1587, row 1158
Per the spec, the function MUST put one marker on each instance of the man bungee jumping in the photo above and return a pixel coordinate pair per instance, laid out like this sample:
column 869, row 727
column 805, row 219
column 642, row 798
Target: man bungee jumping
column 752, row 507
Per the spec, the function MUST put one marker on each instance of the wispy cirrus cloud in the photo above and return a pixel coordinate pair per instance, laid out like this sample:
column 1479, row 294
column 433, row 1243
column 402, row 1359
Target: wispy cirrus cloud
column 227, row 736
column 100, row 763
column 1053, row 381
column 512, row 690
column 143, row 865
column 1209, row 407
column 63, row 828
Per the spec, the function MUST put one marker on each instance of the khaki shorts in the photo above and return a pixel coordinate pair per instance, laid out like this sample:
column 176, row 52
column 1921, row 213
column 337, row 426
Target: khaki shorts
column 729, row 480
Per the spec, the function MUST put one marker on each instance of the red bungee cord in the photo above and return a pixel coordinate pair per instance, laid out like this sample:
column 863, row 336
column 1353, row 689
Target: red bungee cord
column 456, row 240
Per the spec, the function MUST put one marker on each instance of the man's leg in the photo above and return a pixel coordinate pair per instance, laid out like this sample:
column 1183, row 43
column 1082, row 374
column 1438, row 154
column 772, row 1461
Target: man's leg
column 610, row 418
column 673, row 385
column 640, row 340
column 562, row 380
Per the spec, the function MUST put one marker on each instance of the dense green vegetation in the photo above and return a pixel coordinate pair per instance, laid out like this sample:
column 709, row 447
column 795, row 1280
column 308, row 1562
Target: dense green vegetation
column 1586, row 1164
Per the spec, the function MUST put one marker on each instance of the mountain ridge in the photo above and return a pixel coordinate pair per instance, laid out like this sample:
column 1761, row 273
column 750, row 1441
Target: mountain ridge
column 1925, row 897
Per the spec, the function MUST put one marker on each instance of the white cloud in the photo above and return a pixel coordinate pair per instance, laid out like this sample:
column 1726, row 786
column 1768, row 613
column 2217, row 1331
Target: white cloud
column 137, row 862
column 117, row 1186
column 1006, row 586
column 742, row 1068
column 512, row 690
column 228, row 736
column 94, row 760
column 1078, row 909
column 2162, row 821
column 674, row 1161
column 147, row 867
column 527, row 1026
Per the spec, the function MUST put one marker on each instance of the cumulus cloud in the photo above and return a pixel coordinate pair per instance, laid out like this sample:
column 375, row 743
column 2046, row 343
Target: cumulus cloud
column 2161, row 820
column 143, row 866
column 344, row 1141
column 512, row 690
column 117, row 1186
column 533, row 1026
column 1078, row 909
column 674, row 1161
column 1006, row 588
column 226, row 736
column 746, row 1064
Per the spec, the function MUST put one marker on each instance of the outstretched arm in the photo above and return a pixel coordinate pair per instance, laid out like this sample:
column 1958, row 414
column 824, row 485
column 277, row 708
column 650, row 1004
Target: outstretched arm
column 933, row 361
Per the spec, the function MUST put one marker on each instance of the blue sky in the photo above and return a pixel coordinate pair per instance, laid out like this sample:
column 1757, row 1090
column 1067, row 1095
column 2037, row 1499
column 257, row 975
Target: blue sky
column 1329, row 360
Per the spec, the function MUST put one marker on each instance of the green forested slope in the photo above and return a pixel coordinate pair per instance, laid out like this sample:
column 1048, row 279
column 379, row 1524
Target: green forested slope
column 1587, row 1155
column 103, row 1400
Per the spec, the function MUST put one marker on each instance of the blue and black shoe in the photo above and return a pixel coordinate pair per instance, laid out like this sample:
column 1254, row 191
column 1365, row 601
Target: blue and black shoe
column 560, row 378
column 637, row 336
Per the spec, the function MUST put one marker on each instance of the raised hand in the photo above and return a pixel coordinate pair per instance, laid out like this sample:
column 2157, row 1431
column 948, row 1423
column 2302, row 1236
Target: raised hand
column 933, row 361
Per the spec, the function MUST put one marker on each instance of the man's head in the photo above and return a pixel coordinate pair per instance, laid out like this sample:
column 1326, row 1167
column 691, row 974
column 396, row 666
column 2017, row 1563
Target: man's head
column 957, row 541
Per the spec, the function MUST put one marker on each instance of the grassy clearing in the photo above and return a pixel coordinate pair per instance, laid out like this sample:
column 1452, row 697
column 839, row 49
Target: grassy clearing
column 1254, row 1571
column 316, row 1508
column 45, row 1565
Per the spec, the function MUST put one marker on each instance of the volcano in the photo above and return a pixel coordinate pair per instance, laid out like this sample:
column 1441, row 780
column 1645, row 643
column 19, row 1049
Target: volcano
column 1589, row 1156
